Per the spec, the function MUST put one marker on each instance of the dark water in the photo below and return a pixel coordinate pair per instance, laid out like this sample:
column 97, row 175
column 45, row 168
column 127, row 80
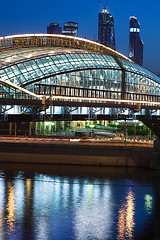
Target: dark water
column 45, row 202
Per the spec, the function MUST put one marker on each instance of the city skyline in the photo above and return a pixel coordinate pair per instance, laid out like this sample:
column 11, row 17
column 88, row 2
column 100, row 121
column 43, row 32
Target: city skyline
column 35, row 17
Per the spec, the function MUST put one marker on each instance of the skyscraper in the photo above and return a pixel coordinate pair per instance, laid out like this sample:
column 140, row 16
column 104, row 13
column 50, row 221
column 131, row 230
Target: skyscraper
column 70, row 28
column 106, row 35
column 135, row 42
column 54, row 28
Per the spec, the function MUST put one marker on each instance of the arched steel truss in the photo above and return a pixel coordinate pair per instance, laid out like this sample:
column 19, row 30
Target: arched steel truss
column 41, row 40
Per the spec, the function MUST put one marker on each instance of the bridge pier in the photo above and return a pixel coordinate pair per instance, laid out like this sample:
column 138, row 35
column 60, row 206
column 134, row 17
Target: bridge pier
column 153, row 122
column 155, row 156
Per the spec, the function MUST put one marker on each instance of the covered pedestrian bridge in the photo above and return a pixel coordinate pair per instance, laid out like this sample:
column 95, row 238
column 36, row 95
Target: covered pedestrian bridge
column 72, row 69
column 58, row 75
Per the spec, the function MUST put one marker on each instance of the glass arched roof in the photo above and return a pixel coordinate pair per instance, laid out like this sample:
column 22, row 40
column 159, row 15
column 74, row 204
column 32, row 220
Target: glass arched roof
column 137, row 69
column 31, row 65
column 43, row 67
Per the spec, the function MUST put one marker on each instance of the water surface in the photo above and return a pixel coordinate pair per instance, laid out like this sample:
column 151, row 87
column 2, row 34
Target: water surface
column 45, row 202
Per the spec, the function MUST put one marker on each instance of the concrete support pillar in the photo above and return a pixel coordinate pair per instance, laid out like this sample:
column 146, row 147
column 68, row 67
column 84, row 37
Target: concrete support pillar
column 30, row 129
column 10, row 128
column 34, row 130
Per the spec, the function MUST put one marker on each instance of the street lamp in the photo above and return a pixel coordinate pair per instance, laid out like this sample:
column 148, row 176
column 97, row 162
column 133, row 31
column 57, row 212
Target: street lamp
column 116, row 125
column 140, row 124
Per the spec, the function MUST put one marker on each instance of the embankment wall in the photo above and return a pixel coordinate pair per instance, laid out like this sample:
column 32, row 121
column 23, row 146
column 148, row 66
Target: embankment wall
column 76, row 154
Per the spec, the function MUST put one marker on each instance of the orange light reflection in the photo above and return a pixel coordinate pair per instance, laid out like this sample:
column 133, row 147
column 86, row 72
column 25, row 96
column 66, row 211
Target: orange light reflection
column 126, row 217
column 11, row 208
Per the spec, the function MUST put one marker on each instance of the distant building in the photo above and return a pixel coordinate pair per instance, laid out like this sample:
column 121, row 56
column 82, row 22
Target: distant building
column 135, row 42
column 54, row 28
column 70, row 28
column 106, row 35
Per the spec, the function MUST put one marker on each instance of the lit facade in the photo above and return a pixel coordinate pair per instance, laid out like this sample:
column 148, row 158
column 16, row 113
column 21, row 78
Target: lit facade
column 70, row 28
column 106, row 34
column 135, row 42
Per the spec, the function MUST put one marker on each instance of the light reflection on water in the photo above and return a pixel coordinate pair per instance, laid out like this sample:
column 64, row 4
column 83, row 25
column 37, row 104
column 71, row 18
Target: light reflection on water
column 126, row 217
column 51, row 206
column 10, row 207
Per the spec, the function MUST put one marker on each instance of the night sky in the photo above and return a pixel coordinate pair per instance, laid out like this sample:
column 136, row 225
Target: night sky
column 34, row 16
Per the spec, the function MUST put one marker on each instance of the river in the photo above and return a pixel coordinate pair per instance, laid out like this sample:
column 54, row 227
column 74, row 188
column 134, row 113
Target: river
column 45, row 202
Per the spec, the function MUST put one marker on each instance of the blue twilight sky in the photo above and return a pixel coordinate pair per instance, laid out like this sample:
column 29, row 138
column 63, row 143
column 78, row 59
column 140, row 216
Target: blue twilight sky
column 34, row 16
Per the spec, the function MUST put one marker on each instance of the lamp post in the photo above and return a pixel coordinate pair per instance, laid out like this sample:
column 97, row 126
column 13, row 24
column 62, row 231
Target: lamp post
column 125, row 131
column 140, row 124
column 116, row 128
column 134, row 130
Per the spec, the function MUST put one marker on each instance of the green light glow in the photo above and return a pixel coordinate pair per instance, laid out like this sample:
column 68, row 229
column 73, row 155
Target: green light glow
column 148, row 203
column 49, row 123
column 92, row 126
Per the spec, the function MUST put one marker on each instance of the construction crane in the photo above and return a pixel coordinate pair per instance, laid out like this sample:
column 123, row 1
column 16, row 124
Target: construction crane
column 100, row 4
column 104, row 8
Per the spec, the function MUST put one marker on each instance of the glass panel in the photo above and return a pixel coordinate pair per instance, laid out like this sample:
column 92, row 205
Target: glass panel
column 63, row 91
column 53, row 90
column 48, row 90
column 57, row 90
column 76, row 92
column 72, row 92
column 81, row 93
column 68, row 91
column 85, row 93
column 97, row 94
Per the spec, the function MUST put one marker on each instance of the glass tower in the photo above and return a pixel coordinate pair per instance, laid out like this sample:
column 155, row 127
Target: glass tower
column 106, row 35
column 70, row 28
column 135, row 42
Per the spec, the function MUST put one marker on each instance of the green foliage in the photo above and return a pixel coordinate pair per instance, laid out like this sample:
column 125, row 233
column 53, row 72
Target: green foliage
column 140, row 130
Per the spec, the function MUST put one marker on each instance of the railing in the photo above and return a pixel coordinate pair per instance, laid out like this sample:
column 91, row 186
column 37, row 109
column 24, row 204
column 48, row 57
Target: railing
column 20, row 95
column 64, row 94
column 39, row 40
column 54, row 90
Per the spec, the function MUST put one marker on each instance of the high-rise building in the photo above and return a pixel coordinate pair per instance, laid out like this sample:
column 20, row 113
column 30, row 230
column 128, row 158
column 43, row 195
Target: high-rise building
column 106, row 35
column 135, row 42
column 54, row 28
column 70, row 28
